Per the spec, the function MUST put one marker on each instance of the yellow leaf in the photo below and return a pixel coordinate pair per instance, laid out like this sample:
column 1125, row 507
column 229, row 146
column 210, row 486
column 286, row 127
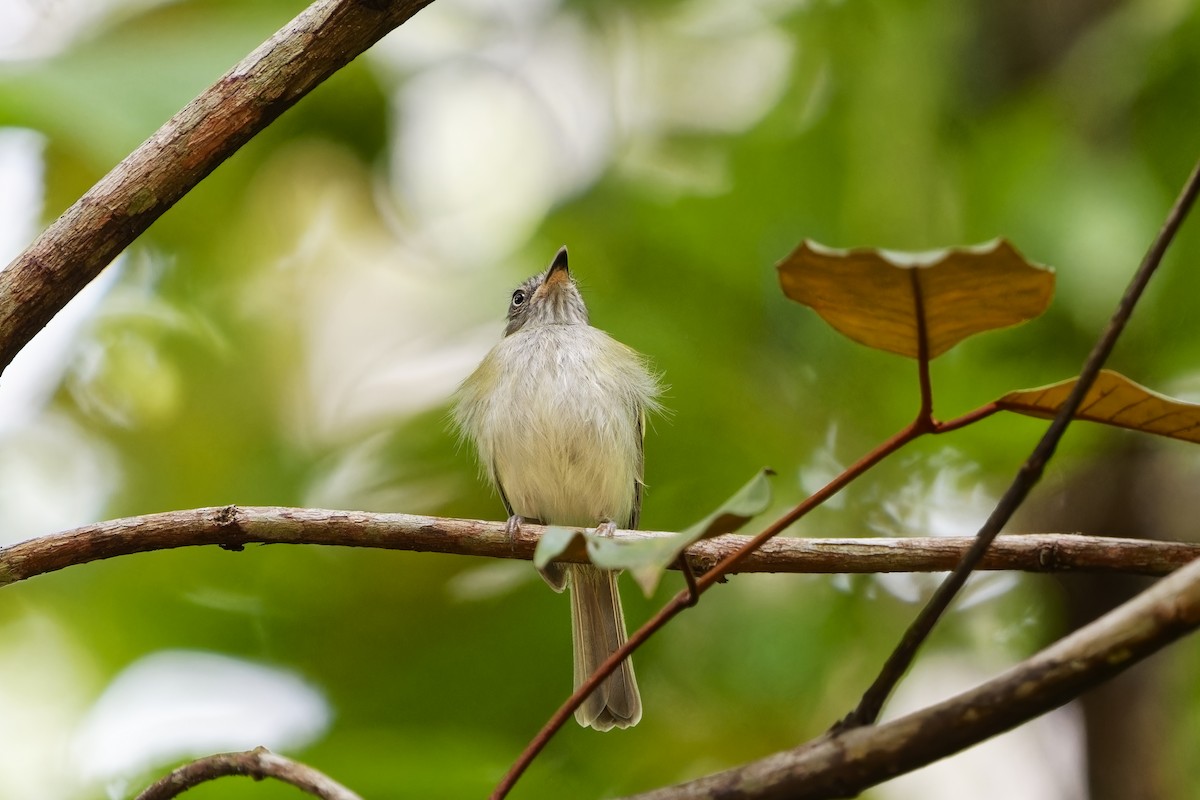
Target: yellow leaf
column 880, row 298
column 1113, row 400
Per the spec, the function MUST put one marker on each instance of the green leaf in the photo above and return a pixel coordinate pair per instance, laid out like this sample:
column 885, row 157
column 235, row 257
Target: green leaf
column 554, row 542
column 647, row 559
column 750, row 501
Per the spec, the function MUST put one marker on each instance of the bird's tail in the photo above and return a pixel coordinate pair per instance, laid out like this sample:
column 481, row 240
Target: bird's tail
column 597, row 630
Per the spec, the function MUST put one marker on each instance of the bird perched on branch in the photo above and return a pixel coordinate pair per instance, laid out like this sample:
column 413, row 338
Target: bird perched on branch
column 557, row 414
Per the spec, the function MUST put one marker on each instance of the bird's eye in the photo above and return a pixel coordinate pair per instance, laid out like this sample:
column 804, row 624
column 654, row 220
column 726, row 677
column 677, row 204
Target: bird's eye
column 518, row 298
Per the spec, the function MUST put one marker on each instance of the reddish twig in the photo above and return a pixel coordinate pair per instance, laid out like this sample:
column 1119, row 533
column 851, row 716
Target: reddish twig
column 970, row 418
column 925, row 412
column 901, row 658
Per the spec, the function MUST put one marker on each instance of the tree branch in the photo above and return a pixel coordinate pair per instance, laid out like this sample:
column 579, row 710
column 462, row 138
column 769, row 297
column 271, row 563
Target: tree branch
column 93, row 231
column 844, row 764
column 233, row 527
column 258, row 764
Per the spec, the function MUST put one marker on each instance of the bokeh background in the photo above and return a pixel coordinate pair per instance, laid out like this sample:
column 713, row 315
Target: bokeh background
column 290, row 333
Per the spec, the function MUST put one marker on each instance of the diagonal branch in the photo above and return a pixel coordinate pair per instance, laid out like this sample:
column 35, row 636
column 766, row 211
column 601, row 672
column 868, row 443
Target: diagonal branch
column 868, row 708
column 234, row 527
column 92, row 232
column 258, row 764
column 842, row 764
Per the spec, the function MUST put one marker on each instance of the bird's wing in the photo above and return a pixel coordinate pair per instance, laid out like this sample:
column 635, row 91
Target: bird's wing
column 553, row 573
column 500, row 488
column 635, row 513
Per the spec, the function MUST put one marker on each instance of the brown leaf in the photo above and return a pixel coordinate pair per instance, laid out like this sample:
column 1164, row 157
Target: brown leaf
column 1113, row 400
column 880, row 297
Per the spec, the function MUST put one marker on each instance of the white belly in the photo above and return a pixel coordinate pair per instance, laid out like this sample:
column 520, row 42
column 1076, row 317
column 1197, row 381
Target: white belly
column 560, row 424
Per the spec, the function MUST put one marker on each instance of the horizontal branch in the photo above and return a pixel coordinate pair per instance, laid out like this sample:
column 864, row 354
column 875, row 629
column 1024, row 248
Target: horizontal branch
column 846, row 763
column 258, row 764
column 208, row 130
column 234, row 527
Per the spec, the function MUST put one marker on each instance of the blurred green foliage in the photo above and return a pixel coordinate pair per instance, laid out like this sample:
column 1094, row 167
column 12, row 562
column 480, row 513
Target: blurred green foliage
column 289, row 334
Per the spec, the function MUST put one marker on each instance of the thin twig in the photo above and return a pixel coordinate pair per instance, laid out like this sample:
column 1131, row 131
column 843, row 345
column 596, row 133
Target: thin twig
column 901, row 658
column 970, row 418
column 92, row 232
column 843, row 764
column 258, row 764
column 235, row 527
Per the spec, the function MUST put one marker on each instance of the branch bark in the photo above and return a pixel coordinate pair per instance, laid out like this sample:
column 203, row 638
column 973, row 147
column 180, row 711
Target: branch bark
column 258, row 764
column 845, row 763
column 233, row 527
column 118, row 209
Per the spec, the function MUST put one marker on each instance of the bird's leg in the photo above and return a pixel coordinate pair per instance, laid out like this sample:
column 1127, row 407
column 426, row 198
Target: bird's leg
column 606, row 528
column 689, row 577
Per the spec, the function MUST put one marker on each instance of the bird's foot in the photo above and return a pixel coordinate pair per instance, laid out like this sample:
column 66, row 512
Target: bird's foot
column 512, row 528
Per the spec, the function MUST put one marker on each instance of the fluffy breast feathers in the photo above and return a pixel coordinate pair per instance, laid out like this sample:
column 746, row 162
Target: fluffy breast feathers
column 557, row 414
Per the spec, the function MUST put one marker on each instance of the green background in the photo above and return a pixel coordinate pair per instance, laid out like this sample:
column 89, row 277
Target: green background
column 290, row 334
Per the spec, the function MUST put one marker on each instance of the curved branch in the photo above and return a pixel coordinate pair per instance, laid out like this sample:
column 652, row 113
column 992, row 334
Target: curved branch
column 258, row 763
column 233, row 527
column 846, row 763
column 114, row 212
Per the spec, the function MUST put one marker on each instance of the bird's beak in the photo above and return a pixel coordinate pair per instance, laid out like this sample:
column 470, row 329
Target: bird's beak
column 559, row 274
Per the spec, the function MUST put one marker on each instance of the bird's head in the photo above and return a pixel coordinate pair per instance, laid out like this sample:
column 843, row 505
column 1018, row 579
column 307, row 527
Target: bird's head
column 548, row 298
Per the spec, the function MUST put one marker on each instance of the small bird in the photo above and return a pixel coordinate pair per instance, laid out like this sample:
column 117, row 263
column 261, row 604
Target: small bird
column 557, row 412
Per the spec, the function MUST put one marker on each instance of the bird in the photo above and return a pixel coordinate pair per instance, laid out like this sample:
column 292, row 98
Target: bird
column 557, row 415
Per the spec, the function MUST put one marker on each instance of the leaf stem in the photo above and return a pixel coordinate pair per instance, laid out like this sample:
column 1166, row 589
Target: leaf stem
column 925, row 413
column 971, row 417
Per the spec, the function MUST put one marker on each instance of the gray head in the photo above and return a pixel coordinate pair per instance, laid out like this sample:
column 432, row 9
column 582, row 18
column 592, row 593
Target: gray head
column 548, row 298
